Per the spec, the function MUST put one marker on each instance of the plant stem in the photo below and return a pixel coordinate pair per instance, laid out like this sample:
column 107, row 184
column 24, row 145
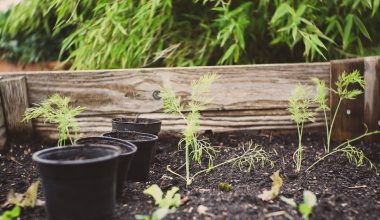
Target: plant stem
column 331, row 125
column 214, row 167
column 188, row 180
column 339, row 147
column 327, row 131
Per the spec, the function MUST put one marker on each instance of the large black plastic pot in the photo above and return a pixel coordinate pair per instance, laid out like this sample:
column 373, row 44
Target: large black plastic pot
column 128, row 151
column 79, row 181
column 146, row 147
column 144, row 125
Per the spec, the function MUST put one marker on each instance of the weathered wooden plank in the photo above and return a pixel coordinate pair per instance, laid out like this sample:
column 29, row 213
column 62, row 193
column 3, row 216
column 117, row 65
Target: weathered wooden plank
column 3, row 133
column 372, row 96
column 245, row 97
column 350, row 116
column 15, row 101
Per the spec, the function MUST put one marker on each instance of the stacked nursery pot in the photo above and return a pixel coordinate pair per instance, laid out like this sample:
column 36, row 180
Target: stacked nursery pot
column 143, row 133
column 128, row 151
column 79, row 181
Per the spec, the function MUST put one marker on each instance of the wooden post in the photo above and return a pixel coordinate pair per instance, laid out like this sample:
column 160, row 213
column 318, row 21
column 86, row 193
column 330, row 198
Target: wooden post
column 15, row 101
column 350, row 116
column 372, row 96
column 3, row 133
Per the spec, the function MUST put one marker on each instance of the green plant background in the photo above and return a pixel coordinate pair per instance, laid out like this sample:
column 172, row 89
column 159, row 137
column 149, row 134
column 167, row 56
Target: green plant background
column 94, row 34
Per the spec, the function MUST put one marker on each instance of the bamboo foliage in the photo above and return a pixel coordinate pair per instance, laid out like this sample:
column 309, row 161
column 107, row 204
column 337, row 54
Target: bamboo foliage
column 128, row 33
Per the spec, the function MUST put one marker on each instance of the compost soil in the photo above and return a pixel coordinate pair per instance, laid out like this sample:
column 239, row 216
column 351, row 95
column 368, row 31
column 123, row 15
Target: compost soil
column 343, row 190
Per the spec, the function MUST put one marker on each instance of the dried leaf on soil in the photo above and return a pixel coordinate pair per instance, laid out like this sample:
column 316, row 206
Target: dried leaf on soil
column 27, row 199
column 277, row 182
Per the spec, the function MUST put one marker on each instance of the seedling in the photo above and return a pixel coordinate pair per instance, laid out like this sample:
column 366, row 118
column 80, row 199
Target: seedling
column 305, row 207
column 56, row 110
column 15, row 212
column 166, row 205
column 191, row 142
column 342, row 91
column 224, row 186
column 299, row 108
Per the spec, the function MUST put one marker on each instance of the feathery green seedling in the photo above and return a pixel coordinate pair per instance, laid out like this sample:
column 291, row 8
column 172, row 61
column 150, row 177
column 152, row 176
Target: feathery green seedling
column 353, row 154
column 56, row 109
column 299, row 107
column 191, row 142
column 194, row 146
column 342, row 91
column 166, row 205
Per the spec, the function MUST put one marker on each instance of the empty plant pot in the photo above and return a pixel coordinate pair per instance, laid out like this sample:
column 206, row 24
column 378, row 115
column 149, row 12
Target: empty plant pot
column 79, row 181
column 146, row 147
column 144, row 125
column 127, row 153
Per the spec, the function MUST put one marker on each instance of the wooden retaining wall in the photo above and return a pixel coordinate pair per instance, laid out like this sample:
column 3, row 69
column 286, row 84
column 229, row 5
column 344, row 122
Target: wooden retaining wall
column 249, row 97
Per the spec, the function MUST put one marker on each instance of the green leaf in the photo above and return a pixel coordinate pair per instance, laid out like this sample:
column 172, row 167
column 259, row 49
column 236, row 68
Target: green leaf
column 142, row 217
column 228, row 54
column 305, row 210
column 309, row 198
column 280, row 11
column 289, row 201
column 347, row 31
column 361, row 27
column 11, row 214
column 155, row 192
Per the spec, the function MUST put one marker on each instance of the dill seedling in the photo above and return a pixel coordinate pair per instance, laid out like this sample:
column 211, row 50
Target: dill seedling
column 194, row 146
column 342, row 91
column 191, row 142
column 299, row 108
column 56, row 110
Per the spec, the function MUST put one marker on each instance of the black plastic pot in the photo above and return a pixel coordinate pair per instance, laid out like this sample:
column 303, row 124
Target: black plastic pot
column 146, row 149
column 128, row 151
column 144, row 125
column 79, row 181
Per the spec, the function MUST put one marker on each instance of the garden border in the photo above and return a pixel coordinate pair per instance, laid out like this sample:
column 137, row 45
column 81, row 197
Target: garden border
column 249, row 97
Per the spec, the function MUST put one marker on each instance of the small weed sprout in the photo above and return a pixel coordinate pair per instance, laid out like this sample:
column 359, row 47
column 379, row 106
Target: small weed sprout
column 193, row 146
column 224, row 186
column 166, row 205
column 56, row 109
column 342, row 91
column 299, row 108
column 251, row 155
column 305, row 207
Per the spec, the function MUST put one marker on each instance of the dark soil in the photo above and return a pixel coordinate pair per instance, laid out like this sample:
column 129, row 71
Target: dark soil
column 344, row 191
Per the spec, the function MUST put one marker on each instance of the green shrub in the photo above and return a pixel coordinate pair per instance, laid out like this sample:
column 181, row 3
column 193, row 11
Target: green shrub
column 122, row 34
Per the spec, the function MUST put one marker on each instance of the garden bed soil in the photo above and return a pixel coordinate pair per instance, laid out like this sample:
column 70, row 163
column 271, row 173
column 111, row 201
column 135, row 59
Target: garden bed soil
column 344, row 191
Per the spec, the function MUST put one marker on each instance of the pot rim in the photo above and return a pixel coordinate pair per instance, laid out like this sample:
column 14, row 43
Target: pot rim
column 148, row 121
column 150, row 137
column 131, row 147
column 115, row 152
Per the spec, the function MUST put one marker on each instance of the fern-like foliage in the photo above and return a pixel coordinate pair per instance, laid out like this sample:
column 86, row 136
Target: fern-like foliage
column 343, row 83
column 56, row 110
column 251, row 155
column 299, row 108
column 193, row 145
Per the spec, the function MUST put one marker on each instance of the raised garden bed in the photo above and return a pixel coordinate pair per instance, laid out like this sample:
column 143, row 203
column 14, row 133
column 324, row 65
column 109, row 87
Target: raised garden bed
column 280, row 99
column 343, row 190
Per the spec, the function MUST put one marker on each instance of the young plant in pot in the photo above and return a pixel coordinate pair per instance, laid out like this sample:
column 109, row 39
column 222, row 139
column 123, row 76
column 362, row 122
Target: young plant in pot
column 144, row 125
column 79, row 181
column 141, row 162
column 128, row 151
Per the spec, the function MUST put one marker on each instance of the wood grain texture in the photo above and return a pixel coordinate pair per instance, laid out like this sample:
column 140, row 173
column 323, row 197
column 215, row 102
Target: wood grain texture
column 245, row 97
column 3, row 131
column 372, row 96
column 346, row 125
column 15, row 101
